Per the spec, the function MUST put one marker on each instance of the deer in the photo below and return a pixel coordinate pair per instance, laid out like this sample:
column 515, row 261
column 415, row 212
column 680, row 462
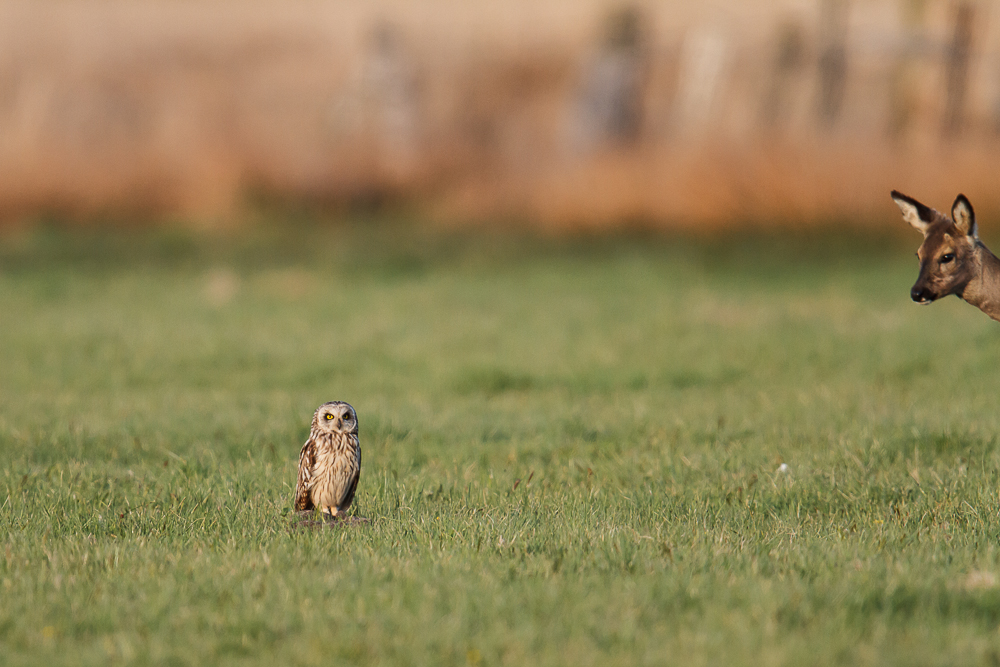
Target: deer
column 952, row 258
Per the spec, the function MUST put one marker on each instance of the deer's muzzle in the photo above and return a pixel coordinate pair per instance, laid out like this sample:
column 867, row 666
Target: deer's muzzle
column 921, row 294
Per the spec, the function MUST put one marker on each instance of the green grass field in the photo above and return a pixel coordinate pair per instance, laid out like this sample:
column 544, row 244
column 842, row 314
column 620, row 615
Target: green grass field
column 570, row 451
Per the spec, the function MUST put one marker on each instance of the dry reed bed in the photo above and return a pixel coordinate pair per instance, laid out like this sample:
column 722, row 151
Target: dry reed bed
column 479, row 113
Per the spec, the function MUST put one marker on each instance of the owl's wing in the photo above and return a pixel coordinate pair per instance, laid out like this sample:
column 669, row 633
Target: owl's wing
column 307, row 463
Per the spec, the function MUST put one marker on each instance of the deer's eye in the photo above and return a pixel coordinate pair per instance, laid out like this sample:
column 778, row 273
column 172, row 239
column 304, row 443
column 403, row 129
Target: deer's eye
column 947, row 257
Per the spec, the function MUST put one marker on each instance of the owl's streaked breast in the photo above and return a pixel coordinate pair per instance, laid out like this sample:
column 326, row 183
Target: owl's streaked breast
column 337, row 463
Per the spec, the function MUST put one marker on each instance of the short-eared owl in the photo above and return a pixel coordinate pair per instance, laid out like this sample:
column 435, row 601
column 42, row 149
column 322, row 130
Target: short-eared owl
column 330, row 462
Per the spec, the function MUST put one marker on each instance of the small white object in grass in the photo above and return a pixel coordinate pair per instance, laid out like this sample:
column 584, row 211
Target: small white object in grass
column 783, row 468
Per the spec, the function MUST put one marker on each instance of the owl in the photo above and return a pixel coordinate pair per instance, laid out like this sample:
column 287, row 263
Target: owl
column 330, row 462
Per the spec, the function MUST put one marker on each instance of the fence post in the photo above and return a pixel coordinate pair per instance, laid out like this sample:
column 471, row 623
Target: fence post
column 785, row 69
column 833, row 60
column 957, row 69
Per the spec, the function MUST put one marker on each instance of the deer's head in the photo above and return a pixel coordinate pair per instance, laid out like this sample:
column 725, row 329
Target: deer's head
column 949, row 256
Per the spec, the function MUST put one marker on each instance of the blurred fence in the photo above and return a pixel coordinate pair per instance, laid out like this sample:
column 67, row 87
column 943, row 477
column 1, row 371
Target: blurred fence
column 564, row 112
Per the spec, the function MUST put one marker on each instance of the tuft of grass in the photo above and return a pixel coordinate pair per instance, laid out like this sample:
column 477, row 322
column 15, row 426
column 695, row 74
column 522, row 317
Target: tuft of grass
column 571, row 452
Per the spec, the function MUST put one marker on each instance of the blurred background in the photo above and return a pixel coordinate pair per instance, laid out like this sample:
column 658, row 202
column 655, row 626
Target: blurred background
column 562, row 113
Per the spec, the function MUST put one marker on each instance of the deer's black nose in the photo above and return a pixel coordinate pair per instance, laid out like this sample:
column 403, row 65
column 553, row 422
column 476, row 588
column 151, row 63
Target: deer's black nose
column 921, row 294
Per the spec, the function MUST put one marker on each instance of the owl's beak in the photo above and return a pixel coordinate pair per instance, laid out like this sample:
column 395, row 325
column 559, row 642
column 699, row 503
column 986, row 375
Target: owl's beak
column 340, row 422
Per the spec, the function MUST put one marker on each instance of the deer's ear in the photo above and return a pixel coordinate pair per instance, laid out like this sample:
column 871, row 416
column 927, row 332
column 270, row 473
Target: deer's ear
column 914, row 212
column 964, row 216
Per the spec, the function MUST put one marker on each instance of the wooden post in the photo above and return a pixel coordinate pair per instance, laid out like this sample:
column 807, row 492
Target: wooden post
column 833, row 61
column 957, row 69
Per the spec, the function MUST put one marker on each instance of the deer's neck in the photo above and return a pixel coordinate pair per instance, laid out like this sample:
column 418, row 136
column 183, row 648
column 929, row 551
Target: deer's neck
column 983, row 291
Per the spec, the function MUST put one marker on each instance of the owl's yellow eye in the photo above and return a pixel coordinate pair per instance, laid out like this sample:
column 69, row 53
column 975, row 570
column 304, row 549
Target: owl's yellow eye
column 329, row 417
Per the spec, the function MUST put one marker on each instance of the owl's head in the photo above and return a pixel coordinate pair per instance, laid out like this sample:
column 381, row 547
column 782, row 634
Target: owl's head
column 335, row 417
